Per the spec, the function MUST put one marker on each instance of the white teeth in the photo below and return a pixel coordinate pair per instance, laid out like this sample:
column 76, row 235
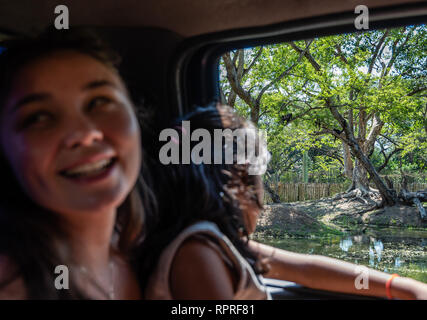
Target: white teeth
column 89, row 167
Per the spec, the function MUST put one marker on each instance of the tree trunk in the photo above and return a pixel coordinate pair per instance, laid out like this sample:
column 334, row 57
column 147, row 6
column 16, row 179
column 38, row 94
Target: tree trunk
column 255, row 113
column 348, row 162
column 273, row 195
column 360, row 177
column 305, row 167
column 389, row 196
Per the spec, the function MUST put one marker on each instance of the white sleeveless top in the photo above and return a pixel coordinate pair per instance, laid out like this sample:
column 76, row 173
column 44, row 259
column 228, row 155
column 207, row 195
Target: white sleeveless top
column 249, row 285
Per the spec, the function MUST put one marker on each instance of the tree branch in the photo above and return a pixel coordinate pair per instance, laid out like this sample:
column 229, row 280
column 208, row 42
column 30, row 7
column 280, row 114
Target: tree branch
column 389, row 139
column 235, row 82
column 306, row 53
column 417, row 90
column 376, row 51
column 245, row 71
column 387, row 157
column 396, row 52
column 340, row 54
column 332, row 132
column 281, row 76
column 377, row 125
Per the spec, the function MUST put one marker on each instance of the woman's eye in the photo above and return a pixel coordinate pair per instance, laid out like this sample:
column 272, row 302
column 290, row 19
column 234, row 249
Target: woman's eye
column 37, row 118
column 99, row 102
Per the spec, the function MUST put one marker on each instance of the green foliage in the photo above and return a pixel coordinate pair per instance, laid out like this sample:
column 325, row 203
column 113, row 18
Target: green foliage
column 360, row 80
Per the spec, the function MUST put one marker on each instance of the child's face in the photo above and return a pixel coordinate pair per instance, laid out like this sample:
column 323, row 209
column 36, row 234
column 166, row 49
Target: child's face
column 69, row 131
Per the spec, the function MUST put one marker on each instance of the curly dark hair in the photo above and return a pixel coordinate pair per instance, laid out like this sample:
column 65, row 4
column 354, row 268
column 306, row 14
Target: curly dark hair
column 187, row 193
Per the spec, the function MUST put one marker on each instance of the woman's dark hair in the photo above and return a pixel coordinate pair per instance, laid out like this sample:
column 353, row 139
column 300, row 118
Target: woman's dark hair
column 187, row 193
column 31, row 236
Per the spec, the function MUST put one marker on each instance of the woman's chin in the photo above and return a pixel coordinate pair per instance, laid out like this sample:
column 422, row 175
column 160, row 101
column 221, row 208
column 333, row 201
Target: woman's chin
column 99, row 201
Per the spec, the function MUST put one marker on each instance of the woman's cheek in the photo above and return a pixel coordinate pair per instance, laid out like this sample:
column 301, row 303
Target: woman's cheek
column 29, row 160
column 123, row 130
column 121, row 124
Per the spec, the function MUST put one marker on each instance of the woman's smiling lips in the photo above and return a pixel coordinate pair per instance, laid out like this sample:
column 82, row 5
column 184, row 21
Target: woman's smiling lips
column 90, row 169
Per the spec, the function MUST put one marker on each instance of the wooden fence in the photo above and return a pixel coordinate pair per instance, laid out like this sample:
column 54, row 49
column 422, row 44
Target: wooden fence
column 292, row 192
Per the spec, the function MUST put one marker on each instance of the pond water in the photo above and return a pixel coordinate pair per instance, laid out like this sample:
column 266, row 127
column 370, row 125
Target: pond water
column 390, row 250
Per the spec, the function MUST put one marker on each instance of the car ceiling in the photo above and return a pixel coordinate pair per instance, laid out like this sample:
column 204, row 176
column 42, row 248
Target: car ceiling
column 184, row 17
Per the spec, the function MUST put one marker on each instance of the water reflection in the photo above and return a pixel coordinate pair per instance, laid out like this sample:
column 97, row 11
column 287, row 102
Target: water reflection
column 371, row 257
column 376, row 247
column 397, row 262
column 345, row 244
column 388, row 250
column 379, row 247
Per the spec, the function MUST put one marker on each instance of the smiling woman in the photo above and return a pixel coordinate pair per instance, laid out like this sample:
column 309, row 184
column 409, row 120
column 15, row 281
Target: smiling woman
column 70, row 162
column 58, row 134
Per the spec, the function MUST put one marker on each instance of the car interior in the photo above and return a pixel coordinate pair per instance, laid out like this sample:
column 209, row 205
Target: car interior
column 171, row 49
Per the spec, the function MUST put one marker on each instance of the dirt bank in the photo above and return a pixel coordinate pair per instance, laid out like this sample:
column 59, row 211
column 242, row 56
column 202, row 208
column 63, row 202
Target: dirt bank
column 288, row 220
column 399, row 216
column 322, row 216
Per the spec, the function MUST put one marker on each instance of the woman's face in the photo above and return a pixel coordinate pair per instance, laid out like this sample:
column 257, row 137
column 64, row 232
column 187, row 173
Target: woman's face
column 70, row 134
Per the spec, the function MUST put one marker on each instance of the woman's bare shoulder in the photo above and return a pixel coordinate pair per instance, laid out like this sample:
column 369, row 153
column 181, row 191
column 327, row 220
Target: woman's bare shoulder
column 199, row 272
column 12, row 285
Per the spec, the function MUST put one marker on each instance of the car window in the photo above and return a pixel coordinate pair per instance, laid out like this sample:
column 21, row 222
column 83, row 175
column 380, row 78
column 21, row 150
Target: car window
column 345, row 122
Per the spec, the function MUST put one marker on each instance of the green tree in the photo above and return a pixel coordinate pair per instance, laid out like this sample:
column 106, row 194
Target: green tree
column 356, row 92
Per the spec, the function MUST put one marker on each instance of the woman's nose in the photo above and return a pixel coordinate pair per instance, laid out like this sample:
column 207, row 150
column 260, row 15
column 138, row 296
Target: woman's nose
column 83, row 134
